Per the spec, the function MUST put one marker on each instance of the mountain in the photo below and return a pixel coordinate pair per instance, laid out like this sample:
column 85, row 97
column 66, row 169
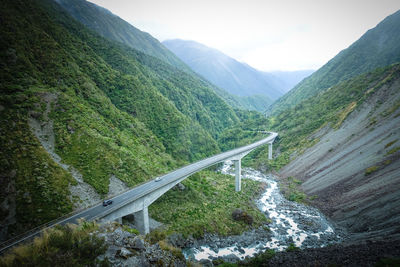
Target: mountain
column 237, row 78
column 378, row 47
column 82, row 115
column 114, row 28
column 252, row 89
column 341, row 148
column 339, row 132
column 291, row 78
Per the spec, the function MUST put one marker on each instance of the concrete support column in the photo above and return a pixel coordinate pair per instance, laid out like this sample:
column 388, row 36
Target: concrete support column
column 142, row 221
column 269, row 150
column 119, row 220
column 238, row 175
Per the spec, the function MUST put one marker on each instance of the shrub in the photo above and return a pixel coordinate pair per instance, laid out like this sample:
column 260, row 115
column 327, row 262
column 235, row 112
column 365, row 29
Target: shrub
column 393, row 150
column 292, row 247
column 370, row 170
column 155, row 236
column 69, row 245
column 390, row 143
column 177, row 252
column 240, row 215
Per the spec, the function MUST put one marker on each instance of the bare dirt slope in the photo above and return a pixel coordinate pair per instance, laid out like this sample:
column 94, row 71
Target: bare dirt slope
column 355, row 170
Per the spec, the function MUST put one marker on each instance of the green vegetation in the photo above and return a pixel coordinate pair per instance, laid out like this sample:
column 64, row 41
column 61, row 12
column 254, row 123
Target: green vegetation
column 206, row 205
column 365, row 55
column 113, row 111
column 370, row 170
column 390, row 143
column 69, row 245
column 392, row 109
column 388, row 262
column 298, row 127
column 290, row 188
column 261, row 259
column 130, row 230
column 114, row 28
column 42, row 185
column 292, row 247
column 177, row 252
column 393, row 150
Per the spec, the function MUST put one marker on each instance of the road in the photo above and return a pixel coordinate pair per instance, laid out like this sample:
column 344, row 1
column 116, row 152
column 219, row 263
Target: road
column 131, row 195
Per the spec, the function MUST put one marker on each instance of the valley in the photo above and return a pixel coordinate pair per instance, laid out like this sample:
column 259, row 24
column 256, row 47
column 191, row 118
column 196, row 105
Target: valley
column 92, row 108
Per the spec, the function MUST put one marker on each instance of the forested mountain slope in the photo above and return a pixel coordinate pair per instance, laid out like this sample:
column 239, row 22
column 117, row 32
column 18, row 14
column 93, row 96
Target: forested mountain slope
column 114, row 28
column 378, row 47
column 72, row 98
column 342, row 146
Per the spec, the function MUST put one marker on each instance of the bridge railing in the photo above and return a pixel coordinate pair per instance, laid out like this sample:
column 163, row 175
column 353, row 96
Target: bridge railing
column 38, row 229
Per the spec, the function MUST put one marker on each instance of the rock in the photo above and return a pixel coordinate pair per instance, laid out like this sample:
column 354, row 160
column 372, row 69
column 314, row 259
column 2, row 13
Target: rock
column 137, row 261
column 206, row 262
column 70, row 129
column 177, row 240
column 230, row 258
column 180, row 187
column 136, row 243
column 124, row 253
column 240, row 215
column 13, row 173
column 241, row 250
column 117, row 237
column 35, row 114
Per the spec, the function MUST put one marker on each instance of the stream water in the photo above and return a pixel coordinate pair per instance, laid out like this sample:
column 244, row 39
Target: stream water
column 291, row 223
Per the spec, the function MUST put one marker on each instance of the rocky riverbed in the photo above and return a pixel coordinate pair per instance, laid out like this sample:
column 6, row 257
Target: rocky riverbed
column 292, row 224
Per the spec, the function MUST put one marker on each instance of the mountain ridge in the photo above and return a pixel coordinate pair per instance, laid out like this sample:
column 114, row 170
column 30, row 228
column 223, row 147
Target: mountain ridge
column 237, row 78
column 378, row 47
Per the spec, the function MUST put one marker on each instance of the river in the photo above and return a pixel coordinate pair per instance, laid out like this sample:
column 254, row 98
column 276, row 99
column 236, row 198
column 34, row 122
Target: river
column 291, row 224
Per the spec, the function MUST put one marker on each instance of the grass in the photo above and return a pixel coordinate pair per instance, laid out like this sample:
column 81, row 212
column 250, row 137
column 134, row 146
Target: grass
column 393, row 150
column 206, row 205
column 261, row 259
column 69, row 245
column 343, row 115
column 130, row 230
column 177, row 252
column 371, row 169
column 390, row 143
column 392, row 109
column 292, row 247
column 290, row 188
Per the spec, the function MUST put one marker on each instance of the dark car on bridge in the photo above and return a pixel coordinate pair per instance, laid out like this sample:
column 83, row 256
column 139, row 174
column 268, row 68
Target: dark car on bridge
column 107, row 202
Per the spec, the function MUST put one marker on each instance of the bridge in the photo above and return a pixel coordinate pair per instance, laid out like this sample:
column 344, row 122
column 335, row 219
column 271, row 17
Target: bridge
column 137, row 200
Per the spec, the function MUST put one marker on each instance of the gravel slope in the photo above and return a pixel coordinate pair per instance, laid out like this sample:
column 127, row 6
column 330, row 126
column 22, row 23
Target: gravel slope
column 335, row 169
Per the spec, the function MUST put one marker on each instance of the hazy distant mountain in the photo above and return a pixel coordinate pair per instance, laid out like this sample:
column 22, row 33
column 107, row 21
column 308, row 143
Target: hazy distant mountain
column 291, row 78
column 378, row 47
column 235, row 77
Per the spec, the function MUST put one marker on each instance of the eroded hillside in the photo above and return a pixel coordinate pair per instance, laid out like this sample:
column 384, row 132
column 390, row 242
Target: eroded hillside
column 354, row 170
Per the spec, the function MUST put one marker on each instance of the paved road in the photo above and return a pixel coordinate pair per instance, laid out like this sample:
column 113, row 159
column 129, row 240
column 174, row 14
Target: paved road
column 121, row 200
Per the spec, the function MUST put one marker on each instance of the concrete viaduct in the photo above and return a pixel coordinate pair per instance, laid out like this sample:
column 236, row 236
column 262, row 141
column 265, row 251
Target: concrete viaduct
column 137, row 200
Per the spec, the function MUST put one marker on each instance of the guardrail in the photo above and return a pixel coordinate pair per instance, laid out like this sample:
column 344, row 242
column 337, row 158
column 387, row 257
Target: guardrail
column 216, row 159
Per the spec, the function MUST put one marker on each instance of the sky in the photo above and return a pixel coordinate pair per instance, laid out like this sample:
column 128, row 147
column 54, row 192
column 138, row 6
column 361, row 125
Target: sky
column 266, row 34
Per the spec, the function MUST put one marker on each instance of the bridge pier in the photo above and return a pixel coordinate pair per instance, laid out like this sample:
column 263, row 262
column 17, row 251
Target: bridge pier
column 142, row 221
column 269, row 151
column 238, row 174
